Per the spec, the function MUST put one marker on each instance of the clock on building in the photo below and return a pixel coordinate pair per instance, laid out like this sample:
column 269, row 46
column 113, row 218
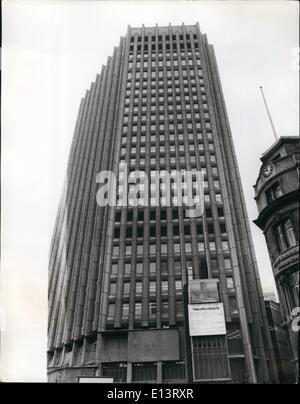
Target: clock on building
column 267, row 170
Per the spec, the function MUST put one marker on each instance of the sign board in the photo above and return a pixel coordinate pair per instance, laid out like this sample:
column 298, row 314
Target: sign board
column 153, row 345
column 204, row 291
column 206, row 319
column 95, row 379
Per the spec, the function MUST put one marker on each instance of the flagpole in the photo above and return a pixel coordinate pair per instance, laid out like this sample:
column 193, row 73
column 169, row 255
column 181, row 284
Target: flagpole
column 269, row 115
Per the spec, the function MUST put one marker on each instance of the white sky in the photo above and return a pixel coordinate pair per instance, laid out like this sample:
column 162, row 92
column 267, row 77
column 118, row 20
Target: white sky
column 51, row 53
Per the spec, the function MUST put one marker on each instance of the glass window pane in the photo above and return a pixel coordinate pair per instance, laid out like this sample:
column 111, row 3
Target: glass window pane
column 126, row 288
column 113, row 288
column 188, row 247
column 139, row 268
column 152, row 288
column 152, row 267
column 152, row 309
column 138, row 310
column 177, row 267
column 230, row 284
column 164, row 287
column 280, row 238
column 225, row 245
column 138, row 288
column 289, row 231
column 111, row 311
column 163, row 248
column 125, row 311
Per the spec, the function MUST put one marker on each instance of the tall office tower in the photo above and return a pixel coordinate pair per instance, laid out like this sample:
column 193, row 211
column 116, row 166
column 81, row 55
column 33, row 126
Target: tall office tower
column 127, row 283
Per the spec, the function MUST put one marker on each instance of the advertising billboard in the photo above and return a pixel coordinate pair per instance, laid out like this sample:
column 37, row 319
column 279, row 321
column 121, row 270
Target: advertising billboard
column 206, row 319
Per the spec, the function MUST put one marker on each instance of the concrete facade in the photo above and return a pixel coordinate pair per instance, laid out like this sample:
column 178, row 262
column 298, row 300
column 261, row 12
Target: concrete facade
column 118, row 273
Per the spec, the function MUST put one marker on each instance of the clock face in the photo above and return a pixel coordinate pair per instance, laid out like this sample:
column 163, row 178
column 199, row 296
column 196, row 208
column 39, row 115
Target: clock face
column 267, row 170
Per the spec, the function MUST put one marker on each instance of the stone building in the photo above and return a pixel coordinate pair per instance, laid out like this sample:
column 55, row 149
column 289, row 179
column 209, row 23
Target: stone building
column 277, row 198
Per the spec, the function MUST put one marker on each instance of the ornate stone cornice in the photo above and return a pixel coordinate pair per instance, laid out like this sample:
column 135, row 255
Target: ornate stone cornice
column 286, row 259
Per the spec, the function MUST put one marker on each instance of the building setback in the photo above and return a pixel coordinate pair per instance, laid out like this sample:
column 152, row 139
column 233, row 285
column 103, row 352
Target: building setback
column 118, row 274
column 277, row 198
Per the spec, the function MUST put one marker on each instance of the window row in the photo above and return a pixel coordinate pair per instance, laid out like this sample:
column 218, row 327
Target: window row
column 274, row 192
column 141, row 136
column 161, row 126
column 166, row 37
column 161, row 116
column 202, row 160
column 138, row 290
column 164, row 248
column 163, row 216
column 151, row 290
column 162, row 160
column 161, row 92
column 161, row 108
column 152, row 150
column 138, row 310
column 170, row 127
column 169, row 74
column 152, row 268
column 163, row 268
column 167, row 54
column 140, row 139
column 285, row 235
column 163, row 230
column 142, row 99
column 160, row 63
column 162, row 137
column 173, row 85
column 159, row 46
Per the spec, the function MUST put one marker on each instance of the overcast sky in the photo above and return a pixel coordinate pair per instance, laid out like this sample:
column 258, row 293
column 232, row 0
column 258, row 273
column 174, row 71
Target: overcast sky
column 51, row 53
